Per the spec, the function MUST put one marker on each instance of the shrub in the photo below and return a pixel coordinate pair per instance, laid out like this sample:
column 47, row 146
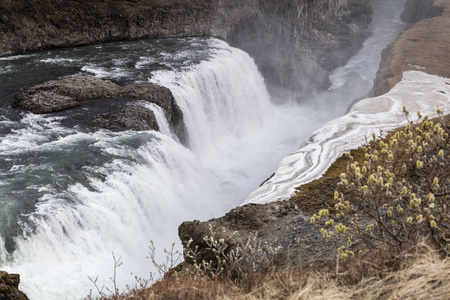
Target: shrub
column 231, row 259
column 398, row 194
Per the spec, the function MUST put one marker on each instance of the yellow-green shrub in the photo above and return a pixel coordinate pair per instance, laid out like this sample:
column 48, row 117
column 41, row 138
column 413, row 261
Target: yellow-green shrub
column 398, row 194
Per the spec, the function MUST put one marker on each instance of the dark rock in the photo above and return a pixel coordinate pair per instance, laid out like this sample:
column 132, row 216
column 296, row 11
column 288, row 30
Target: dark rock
column 64, row 93
column 162, row 97
column 417, row 10
column 156, row 94
column 131, row 117
column 9, row 287
column 277, row 224
column 295, row 43
column 75, row 91
column 177, row 124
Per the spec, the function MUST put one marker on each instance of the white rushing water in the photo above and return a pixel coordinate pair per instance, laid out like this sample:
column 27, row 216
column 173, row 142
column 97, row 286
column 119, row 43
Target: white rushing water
column 237, row 137
column 144, row 193
column 355, row 79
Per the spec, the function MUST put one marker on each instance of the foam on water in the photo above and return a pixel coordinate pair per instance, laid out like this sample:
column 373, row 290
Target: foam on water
column 100, row 72
column 15, row 57
column 33, row 131
column 151, row 183
column 57, row 60
column 123, row 189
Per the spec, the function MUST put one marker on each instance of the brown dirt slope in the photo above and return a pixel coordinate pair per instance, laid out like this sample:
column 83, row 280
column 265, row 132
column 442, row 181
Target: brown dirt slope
column 422, row 276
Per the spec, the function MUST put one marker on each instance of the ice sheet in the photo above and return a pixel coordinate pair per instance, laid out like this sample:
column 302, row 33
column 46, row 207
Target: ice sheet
column 417, row 91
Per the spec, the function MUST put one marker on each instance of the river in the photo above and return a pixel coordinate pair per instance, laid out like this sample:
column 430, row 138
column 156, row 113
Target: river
column 70, row 195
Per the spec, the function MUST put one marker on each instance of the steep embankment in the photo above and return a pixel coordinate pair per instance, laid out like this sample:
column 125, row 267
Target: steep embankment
column 423, row 46
column 295, row 43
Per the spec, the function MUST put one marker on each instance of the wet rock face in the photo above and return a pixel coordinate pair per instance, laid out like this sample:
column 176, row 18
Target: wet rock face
column 84, row 91
column 277, row 224
column 295, row 43
column 417, row 10
column 131, row 117
column 9, row 287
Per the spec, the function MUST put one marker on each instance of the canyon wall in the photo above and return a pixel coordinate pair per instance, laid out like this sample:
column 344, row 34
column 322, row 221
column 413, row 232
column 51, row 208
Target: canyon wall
column 297, row 43
column 294, row 42
column 423, row 46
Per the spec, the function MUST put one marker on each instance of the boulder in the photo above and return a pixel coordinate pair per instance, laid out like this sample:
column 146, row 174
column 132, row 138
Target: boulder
column 279, row 224
column 162, row 97
column 9, row 287
column 81, row 91
column 66, row 92
column 131, row 117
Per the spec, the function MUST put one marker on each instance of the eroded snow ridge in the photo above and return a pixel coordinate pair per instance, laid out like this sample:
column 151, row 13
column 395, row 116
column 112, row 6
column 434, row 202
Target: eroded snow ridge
column 417, row 91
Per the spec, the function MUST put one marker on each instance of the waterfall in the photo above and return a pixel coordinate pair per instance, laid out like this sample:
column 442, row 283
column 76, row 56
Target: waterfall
column 76, row 196
column 149, row 184
column 221, row 99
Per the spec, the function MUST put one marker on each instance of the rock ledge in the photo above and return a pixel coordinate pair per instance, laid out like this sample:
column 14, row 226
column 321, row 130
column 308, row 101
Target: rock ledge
column 80, row 91
column 9, row 287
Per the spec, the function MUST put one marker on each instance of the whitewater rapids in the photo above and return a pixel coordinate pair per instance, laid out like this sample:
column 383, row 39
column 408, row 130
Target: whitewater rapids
column 71, row 197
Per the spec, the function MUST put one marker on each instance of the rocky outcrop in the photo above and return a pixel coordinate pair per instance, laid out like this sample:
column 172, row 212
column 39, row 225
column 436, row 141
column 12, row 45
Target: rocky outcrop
column 279, row 224
column 131, row 117
column 75, row 91
column 64, row 93
column 9, row 287
column 422, row 46
column 417, row 10
column 294, row 42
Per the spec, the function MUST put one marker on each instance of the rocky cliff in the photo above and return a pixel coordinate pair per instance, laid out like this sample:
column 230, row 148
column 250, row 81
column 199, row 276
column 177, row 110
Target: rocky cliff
column 294, row 42
column 281, row 229
column 423, row 46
